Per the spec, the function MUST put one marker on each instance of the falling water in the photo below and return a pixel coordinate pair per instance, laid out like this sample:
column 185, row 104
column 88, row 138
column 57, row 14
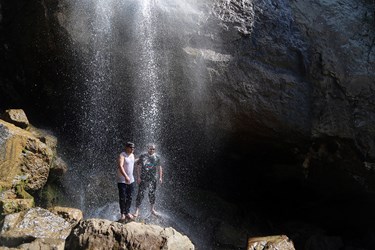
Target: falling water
column 128, row 48
column 148, row 90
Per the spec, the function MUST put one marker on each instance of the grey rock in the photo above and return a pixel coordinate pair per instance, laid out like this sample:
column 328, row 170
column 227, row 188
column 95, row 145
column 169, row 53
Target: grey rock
column 35, row 223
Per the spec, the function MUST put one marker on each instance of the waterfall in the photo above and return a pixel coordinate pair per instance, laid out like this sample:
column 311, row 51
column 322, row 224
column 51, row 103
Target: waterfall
column 134, row 89
column 148, row 90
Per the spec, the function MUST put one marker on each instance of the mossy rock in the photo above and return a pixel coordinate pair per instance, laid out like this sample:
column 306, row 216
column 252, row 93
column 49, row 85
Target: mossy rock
column 49, row 196
column 15, row 199
column 10, row 206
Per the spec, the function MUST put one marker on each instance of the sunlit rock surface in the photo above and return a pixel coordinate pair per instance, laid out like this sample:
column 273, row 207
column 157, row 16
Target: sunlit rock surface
column 96, row 233
column 28, row 159
column 35, row 223
column 16, row 117
column 23, row 157
column 72, row 215
column 281, row 242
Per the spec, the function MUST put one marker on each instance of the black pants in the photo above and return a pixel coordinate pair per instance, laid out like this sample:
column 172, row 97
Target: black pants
column 151, row 185
column 125, row 192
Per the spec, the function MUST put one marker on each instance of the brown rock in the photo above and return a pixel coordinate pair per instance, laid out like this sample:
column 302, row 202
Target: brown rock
column 96, row 233
column 71, row 215
column 9, row 206
column 16, row 117
column 23, row 155
column 44, row 136
column 278, row 242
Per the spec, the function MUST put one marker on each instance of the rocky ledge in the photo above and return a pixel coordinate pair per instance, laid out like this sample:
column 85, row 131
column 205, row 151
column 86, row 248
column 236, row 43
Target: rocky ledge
column 38, row 228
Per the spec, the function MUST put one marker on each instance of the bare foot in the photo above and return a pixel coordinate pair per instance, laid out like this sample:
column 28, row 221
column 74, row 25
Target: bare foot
column 129, row 216
column 153, row 211
column 136, row 213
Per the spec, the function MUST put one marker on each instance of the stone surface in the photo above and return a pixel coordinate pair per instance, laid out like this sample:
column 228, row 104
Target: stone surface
column 9, row 206
column 44, row 136
column 58, row 168
column 72, row 215
column 35, row 223
column 280, row 242
column 40, row 244
column 23, row 158
column 95, row 233
column 16, row 117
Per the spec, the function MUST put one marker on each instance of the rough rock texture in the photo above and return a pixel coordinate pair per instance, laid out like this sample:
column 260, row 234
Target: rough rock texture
column 58, row 168
column 23, row 156
column 281, row 242
column 28, row 159
column 72, row 215
column 35, row 223
column 16, row 117
column 96, row 233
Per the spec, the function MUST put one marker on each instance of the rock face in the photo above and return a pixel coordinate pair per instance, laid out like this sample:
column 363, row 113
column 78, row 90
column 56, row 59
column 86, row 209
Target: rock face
column 95, row 233
column 23, row 155
column 290, row 72
column 26, row 159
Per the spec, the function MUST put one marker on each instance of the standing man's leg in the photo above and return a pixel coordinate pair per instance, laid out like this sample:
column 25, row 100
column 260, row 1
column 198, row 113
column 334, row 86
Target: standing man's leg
column 128, row 194
column 151, row 195
column 140, row 195
column 122, row 198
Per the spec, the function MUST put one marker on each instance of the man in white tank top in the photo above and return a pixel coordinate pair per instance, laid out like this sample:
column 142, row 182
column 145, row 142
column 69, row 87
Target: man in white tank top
column 125, row 180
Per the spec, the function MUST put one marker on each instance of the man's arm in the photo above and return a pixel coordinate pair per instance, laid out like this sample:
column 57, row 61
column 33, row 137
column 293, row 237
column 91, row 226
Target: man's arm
column 121, row 160
column 138, row 171
column 160, row 174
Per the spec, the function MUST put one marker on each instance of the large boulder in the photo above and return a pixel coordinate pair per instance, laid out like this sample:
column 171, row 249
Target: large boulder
column 23, row 156
column 35, row 223
column 96, row 233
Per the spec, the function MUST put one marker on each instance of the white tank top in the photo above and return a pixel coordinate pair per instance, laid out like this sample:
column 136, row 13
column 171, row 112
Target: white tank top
column 128, row 167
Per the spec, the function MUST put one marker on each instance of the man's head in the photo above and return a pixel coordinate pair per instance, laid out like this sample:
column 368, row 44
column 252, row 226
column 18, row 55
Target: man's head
column 151, row 147
column 129, row 147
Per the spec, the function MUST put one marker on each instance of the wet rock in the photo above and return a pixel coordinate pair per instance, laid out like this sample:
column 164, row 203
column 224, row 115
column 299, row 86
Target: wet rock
column 35, row 223
column 72, row 215
column 270, row 243
column 58, row 168
column 94, row 233
column 16, row 117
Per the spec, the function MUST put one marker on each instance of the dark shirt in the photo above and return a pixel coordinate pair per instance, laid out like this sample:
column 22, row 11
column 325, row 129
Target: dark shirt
column 149, row 164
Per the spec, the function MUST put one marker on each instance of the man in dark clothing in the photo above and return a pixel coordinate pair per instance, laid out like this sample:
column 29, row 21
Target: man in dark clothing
column 148, row 171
